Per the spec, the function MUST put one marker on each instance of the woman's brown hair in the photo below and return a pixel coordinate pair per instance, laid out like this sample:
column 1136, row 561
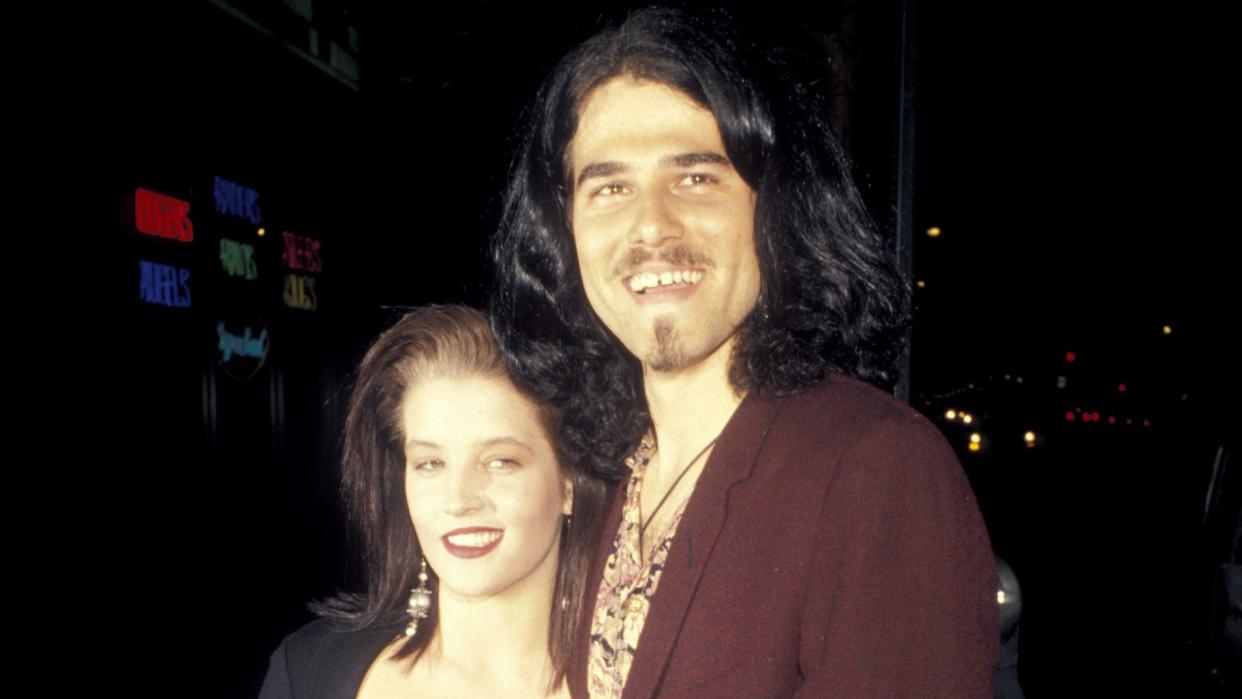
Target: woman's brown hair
column 452, row 341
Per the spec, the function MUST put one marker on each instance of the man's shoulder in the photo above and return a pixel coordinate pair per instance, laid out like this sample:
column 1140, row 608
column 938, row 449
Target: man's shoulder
column 840, row 413
column 846, row 401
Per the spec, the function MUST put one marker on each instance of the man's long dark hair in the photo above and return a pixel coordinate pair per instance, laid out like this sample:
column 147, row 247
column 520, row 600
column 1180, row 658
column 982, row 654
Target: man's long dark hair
column 830, row 297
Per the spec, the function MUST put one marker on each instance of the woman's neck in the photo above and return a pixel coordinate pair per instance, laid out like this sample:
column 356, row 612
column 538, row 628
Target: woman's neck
column 499, row 640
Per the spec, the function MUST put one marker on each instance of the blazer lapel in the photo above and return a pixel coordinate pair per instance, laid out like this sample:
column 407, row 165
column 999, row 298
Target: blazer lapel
column 731, row 462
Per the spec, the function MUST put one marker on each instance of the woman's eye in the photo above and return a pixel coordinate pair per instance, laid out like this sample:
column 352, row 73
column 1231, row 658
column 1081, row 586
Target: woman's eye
column 502, row 464
column 428, row 465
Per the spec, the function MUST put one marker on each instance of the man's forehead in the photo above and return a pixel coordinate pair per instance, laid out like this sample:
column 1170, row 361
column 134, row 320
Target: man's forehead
column 625, row 113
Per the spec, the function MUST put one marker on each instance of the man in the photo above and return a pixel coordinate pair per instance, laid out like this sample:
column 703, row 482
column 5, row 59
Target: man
column 685, row 265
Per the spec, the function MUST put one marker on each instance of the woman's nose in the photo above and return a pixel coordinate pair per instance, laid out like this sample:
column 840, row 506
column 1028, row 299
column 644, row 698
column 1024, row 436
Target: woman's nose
column 465, row 491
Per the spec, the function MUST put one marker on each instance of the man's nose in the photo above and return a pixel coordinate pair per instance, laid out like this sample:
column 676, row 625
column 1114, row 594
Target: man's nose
column 656, row 220
column 466, row 491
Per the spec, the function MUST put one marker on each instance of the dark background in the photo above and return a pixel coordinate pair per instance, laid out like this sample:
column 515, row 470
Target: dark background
column 1072, row 159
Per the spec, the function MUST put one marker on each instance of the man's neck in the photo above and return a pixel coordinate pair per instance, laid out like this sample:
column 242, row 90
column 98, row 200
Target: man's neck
column 690, row 407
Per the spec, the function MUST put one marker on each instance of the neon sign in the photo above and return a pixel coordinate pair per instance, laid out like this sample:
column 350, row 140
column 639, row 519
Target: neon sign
column 300, row 292
column 245, row 345
column 163, row 285
column 233, row 199
column 237, row 259
column 301, row 253
column 162, row 216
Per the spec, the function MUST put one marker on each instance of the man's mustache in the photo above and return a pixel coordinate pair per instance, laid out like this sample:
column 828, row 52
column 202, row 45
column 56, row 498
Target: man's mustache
column 677, row 255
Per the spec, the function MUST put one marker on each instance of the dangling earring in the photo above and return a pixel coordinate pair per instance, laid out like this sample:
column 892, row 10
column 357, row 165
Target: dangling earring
column 569, row 522
column 419, row 606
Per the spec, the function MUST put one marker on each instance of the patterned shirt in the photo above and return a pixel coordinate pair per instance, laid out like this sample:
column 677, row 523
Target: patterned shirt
column 627, row 587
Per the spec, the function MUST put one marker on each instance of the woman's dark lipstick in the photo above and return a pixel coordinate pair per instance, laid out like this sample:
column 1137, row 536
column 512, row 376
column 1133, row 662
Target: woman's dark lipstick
column 462, row 551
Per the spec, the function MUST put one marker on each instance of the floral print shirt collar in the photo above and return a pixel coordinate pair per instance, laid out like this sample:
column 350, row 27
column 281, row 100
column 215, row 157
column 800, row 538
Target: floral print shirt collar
column 627, row 587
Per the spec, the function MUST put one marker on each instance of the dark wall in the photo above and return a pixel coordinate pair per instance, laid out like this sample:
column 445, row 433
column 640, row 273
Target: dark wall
column 223, row 515
column 1055, row 151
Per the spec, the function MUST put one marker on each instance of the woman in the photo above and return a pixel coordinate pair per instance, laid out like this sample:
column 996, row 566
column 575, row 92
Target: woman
column 476, row 536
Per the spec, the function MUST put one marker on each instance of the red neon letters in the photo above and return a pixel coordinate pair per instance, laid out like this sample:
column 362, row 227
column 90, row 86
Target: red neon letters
column 162, row 216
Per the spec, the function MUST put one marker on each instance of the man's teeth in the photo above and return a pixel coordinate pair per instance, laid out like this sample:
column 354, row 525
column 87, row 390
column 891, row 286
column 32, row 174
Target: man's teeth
column 474, row 539
column 645, row 280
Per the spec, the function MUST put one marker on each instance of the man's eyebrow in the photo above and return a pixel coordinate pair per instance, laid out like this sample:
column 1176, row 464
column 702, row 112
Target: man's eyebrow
column 610, row 168
column 607, row 169
column 692, row 159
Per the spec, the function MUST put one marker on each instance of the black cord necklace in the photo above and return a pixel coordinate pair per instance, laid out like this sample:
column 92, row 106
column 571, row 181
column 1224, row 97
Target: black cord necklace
column 651, row 518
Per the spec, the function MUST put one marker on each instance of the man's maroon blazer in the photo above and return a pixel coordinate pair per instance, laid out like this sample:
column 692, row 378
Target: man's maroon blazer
column 832, row 548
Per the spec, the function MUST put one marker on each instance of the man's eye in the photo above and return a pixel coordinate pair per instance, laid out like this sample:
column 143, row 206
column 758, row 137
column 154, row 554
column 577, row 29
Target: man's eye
column 697, row 178
column 609, row 190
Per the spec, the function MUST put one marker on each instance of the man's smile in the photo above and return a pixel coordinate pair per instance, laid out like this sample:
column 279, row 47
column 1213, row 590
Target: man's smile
column 677, row 278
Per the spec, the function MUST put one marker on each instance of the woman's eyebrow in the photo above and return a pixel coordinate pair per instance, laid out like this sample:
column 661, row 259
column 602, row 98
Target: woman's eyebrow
column 504, row 441
column 416, row 443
